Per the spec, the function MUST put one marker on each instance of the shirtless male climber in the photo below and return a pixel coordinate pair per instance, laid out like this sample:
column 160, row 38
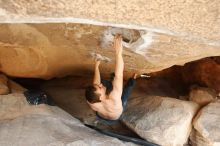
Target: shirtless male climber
column 109, row 98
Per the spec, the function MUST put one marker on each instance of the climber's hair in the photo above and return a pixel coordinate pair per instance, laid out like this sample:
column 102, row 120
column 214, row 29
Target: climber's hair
column 91, row 96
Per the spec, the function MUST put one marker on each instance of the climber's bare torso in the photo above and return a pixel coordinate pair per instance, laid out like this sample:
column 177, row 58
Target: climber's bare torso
column 110, row 106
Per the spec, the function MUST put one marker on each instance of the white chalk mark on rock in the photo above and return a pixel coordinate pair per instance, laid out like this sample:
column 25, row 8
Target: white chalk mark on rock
column 97, row 56
column 108, row 36
column 142, row 44
column 136, row 43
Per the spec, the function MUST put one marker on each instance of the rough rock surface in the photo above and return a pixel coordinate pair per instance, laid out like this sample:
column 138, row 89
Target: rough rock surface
column 8, row 86
column 74, row 100
column 53, row 50
column 3, row 84
column 199, row 20
column 206, row 125
column 25, row 125
column 172, row 33
column 204, row 72
column 202, row 96
column 165, row 121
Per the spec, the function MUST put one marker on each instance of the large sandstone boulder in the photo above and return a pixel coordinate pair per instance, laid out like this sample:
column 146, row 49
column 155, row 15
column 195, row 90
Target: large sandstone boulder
column 56, row 50
column 165, row 121
column 24, row 125
column 156, row 35
column 202, row 96
column 206, row 125
column 74, row 103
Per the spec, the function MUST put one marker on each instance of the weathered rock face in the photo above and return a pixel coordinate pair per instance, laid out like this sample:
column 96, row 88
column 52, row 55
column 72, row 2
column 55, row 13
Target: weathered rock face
column 51, row 50
column 8, row 86
column 74, row 103
column 24, row 125
column 196, row 19
column 172, row 33
column 206, row 125
column 202, row 96
column 204, row 72
column 3, row 84
column 165, row 121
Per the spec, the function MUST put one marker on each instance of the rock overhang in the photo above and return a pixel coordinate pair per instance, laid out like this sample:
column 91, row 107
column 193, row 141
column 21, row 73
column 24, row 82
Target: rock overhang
column 165, row 33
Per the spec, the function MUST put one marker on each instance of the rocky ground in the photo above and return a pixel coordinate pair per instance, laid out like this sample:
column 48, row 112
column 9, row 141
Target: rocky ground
column 167, row 109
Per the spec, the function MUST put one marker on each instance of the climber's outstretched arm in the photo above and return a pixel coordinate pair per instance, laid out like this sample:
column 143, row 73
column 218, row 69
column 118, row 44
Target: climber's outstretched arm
column 97, row 78
column 119, row 65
